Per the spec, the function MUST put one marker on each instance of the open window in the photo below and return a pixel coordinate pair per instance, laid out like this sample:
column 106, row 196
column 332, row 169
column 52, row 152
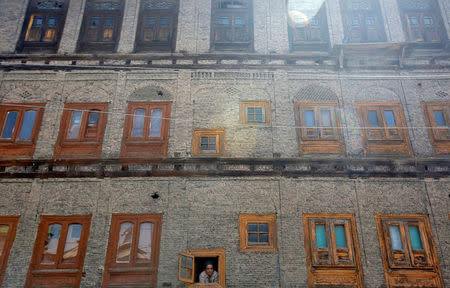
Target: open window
column 157, row 25
column 8, row 228
column 383, row 128
column 146, row 130
column 19, row 128
column 208, row 142
column 193, row 262
column 101, row 26
column 319, row 128
column 422, row 21
column 59, row 251
column 332, row 250
column 232, row 25
column 81, row 131
column 409, row 254
column 437, row 118
column 362, row 21
column 308, row 27
column 43, row 26
column 133, row 251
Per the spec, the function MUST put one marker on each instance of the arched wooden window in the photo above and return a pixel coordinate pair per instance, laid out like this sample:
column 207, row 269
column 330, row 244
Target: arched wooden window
column 157, row 25
column 101, row 25
column 422, row 21
column 43, row 26
column 362, row 21
column 232, row 25
column 308, row 27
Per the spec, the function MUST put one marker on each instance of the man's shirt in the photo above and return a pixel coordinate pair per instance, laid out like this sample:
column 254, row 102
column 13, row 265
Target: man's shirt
column 205, row 279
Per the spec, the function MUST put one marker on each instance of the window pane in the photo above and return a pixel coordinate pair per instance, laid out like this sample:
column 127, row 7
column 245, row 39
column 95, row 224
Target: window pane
column 263, row 238
column 321, row 239
column 27, row 125
column 138, row 123
column 93, row 118
column 51, row 244
column 252, row 227
column 263, row 228
column 396, row 240
column 325, row 117
column 339, row 232
column 390, row 119
column 125, row 242
column 439, row 118
column 309, row 118
column 156, row 123
column 3, row 233
column 75, row 123
column 145, row 242
column 72, row 243
column 253, row 238
column 416, row 241
column 373, row 119
column 10, row 123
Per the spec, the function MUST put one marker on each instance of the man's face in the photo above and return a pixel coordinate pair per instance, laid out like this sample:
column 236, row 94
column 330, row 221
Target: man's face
column 209, row 269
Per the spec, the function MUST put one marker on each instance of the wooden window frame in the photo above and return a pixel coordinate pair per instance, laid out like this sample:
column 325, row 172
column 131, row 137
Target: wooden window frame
column 297, row 32
column 408, row 274
column 246, row 13
column 434, row 13
column 156, row 45
column 84, row 44
column 320, row 145
column 219, row 134
column 440, row 143
column 332, row 272
column 81, row 147
column 383, row 145
column 264, row 105
column 136, row 273
column 245, row 219
column 42, row 46
column 220, row 253
column 14, row 148
column 349, row 14
column 12, row 223
column 65, row 274
column 146, row 147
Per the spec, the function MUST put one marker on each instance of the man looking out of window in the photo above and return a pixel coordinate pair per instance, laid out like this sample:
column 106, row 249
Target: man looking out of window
column 209, row 275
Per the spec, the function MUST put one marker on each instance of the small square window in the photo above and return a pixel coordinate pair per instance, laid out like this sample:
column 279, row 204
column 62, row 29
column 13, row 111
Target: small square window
column 408, row 249
column 332, row 250
column 257, row 233
column 255, row 112
column 208, row 142
column 437, row 119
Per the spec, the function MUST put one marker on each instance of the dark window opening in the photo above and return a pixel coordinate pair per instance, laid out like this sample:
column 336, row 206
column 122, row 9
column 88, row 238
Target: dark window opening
column 200, row 265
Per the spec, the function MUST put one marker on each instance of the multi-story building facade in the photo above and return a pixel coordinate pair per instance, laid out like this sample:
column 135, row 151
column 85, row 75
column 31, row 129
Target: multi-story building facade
column 291, row 143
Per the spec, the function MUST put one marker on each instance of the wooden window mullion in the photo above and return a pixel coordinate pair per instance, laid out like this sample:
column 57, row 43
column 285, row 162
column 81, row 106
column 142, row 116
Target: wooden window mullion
column 61, row 243
column 135, row 240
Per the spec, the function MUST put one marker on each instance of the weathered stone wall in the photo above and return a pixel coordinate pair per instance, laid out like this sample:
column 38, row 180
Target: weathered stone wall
column 202, row 213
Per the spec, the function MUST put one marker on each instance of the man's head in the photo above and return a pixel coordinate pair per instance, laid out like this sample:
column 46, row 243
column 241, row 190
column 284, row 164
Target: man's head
column 209, row 269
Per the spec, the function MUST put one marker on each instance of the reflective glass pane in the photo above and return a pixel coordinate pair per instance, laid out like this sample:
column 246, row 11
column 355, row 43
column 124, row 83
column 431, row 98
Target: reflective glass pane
column 93, row 118
column 72, row 243
column 109, row 22
column 413, row 21
column 51, row 244
column 156, row 123
column 94, row 22
column 52, row 21
column 125, row 242
column 339, row 232
column 263, row 238
column 164, row 21
column 138, row 123
column 309, row 118
column 373, row 118
column 3, row 233
column 10, row 123
column 252, row 238
column 428, row 21
column 75, row 124
column 325, row 118
column 204, row 140
column 416, row 240
column 439, row 118
column 263, row 228
column 252, row 227
column 224, row 21
column 239, row 21
column 149, row 21
column 396, row 240
column 145, row 242
column 38, row 21
column 321, row 237
column 390, row 119
column 27, row 125
column 212, row 140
